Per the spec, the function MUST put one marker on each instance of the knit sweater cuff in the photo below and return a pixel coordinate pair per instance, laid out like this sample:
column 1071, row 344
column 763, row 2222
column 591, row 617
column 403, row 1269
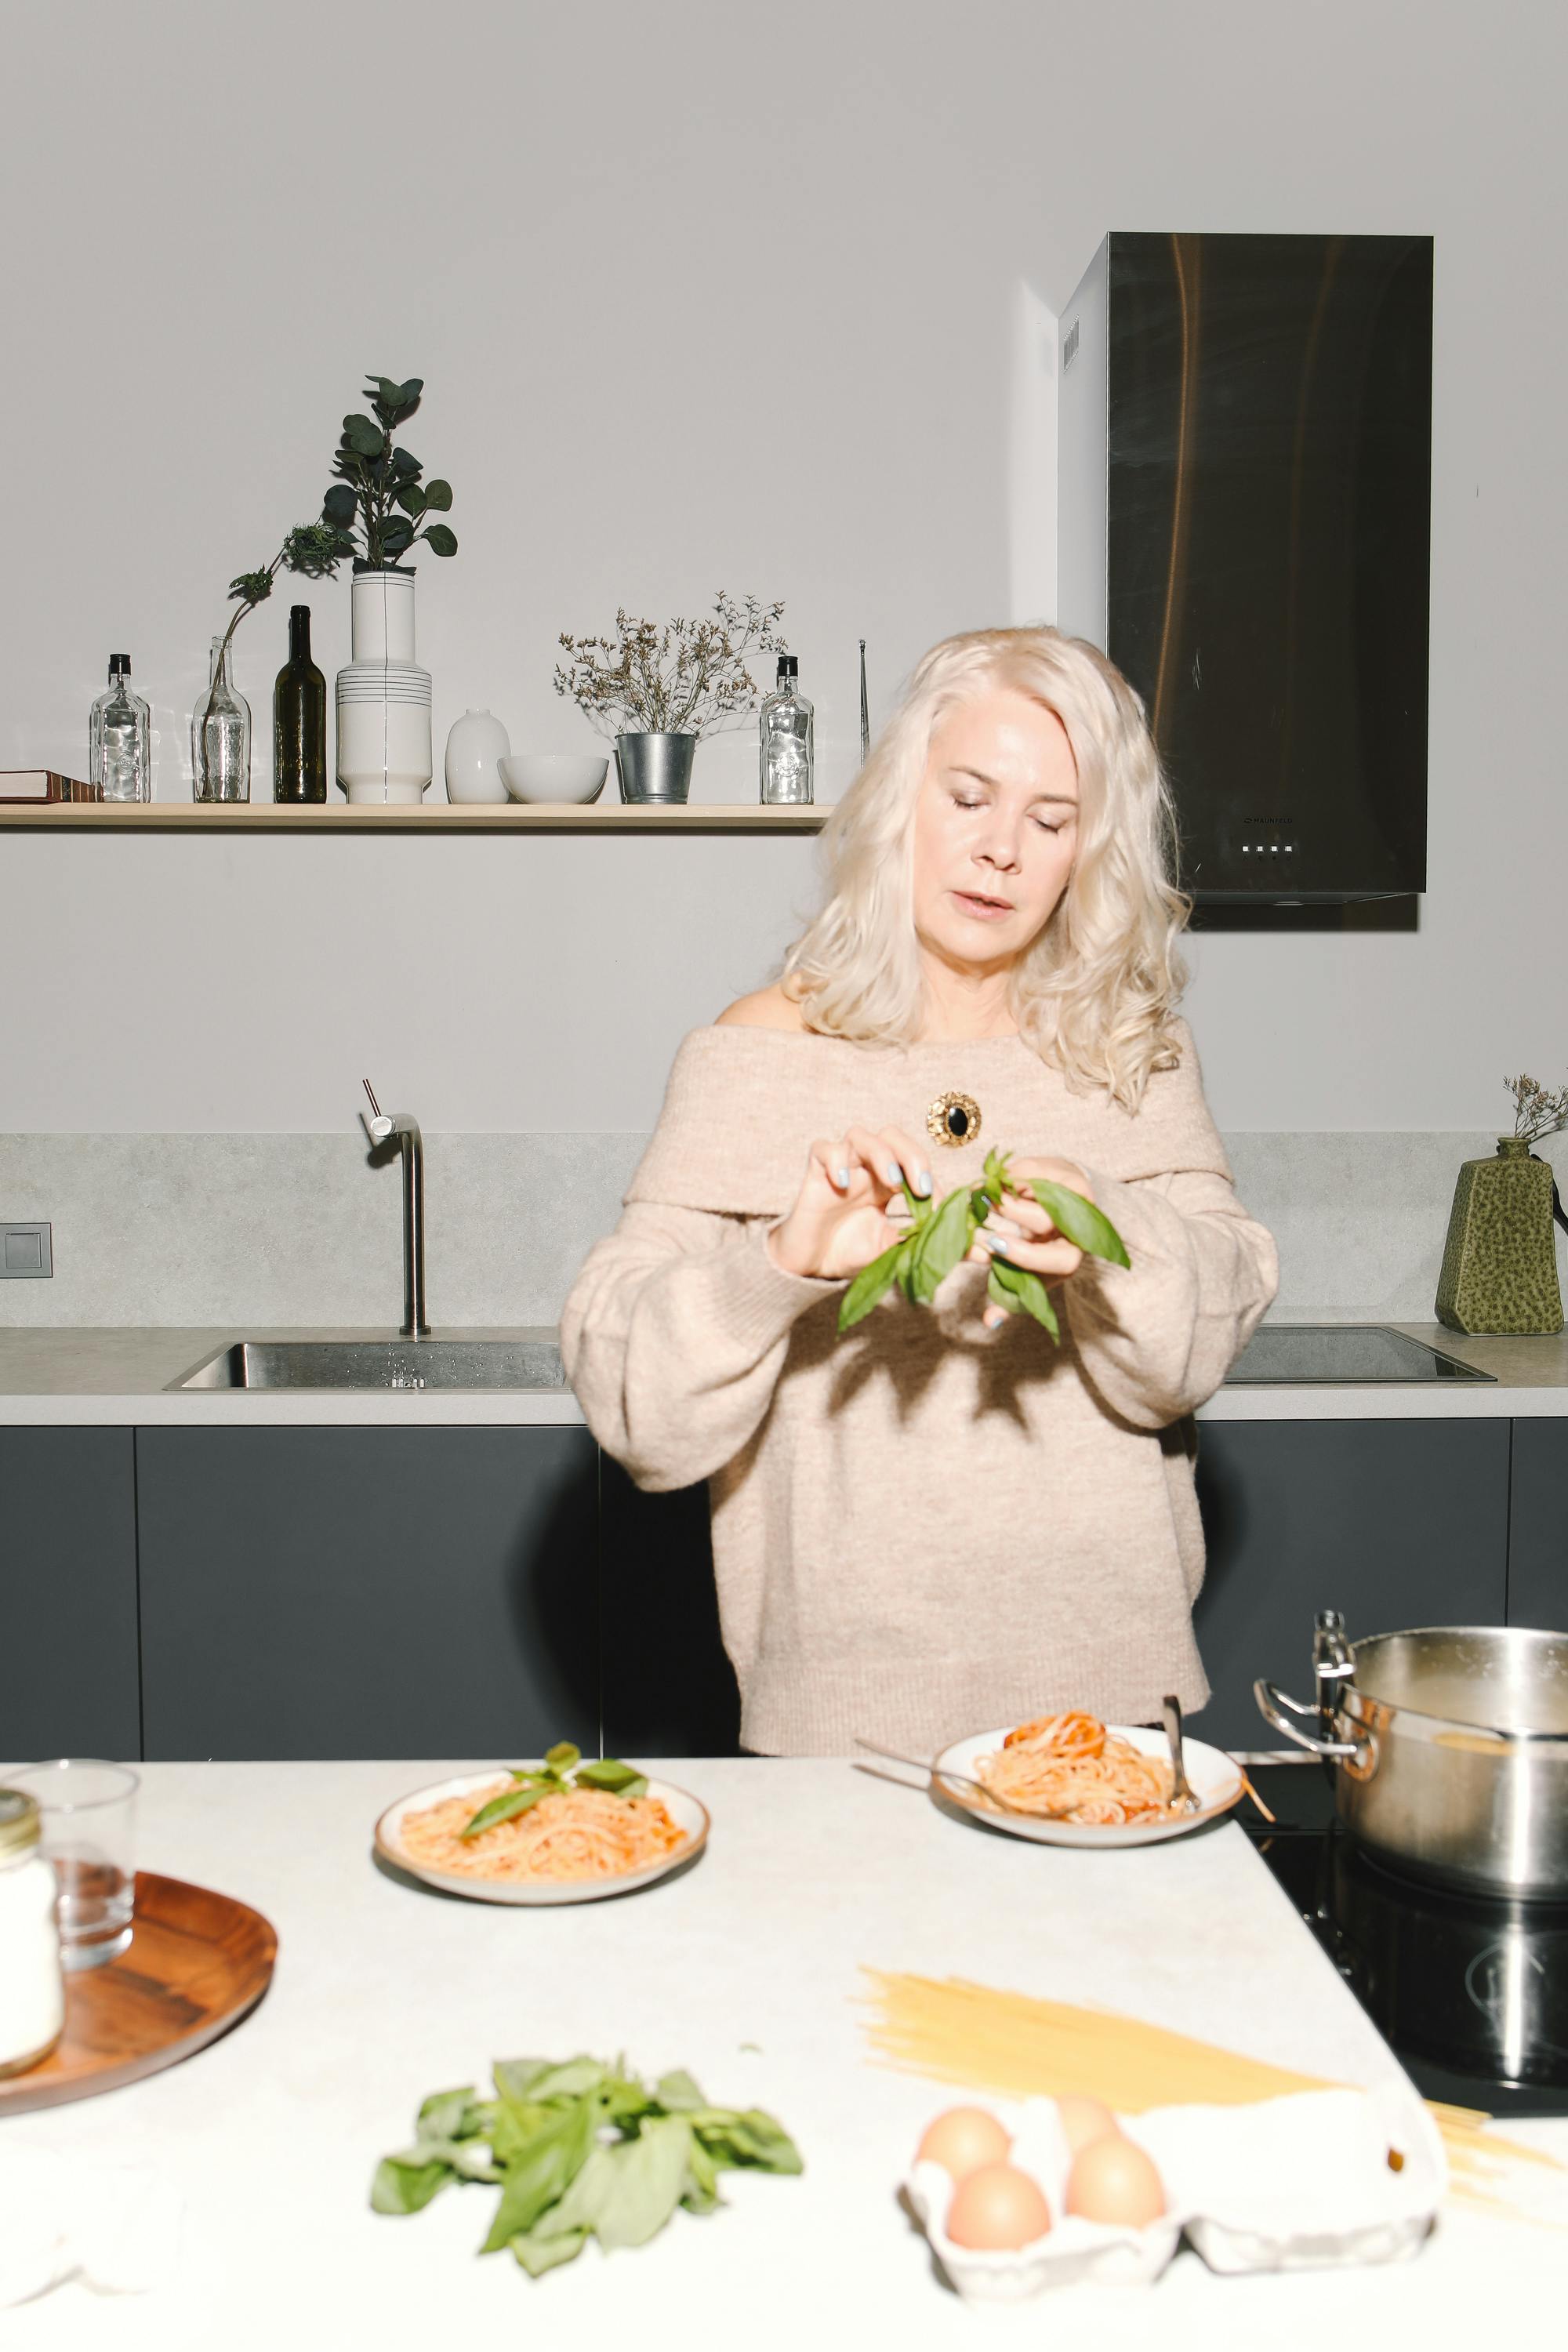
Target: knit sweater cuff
column 754, row 1302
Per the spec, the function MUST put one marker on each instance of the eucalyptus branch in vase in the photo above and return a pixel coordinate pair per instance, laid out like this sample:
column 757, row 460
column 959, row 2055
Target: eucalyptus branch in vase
column 220, row 723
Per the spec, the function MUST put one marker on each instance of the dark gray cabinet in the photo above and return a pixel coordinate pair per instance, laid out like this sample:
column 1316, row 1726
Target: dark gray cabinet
column 1394, row 1523
column 340, row 1593
column 1538, row 1526
column 461, row 1592
column 669, row 1686
column 68, row 1594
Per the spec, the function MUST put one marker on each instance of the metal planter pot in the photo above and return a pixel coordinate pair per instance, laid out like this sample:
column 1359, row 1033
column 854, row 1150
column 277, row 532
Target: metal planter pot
column 1449, row 1748
column 656, row 766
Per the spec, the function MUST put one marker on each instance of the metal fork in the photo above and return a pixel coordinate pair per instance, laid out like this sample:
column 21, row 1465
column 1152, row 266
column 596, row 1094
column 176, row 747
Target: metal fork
column 942, row 1772
column 1182, row 1792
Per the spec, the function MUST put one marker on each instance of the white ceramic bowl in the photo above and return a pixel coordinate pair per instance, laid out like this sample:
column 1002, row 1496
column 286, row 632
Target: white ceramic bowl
column 560, row 777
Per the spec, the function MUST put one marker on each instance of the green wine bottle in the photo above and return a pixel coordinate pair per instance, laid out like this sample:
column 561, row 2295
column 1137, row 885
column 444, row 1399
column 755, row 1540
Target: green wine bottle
column 300, row 718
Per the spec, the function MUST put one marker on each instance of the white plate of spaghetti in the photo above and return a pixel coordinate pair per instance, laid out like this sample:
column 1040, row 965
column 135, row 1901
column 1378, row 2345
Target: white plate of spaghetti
column 572, row 1847
column 1070, row 1779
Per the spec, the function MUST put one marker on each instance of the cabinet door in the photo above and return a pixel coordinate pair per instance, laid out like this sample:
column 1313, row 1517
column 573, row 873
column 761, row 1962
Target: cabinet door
column 1394, row 1523
column 68, row 1594
column 668, row 1687
column 340, row 1593
column 1538, row 1526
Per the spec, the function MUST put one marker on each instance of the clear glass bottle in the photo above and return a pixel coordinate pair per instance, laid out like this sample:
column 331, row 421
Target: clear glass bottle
column 119, row 738
column 785, row 728
column 220, row 734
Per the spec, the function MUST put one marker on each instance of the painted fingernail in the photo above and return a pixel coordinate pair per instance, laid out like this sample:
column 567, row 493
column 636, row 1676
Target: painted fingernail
column 922, row 1181
column 893, row 1173
column 841, row 1175
column 992, row 1241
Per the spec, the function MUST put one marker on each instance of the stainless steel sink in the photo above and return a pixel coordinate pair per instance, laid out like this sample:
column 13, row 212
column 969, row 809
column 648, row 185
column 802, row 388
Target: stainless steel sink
column 379, row 1364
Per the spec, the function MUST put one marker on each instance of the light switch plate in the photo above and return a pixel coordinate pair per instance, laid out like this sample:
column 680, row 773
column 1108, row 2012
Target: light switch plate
column 25, row 1253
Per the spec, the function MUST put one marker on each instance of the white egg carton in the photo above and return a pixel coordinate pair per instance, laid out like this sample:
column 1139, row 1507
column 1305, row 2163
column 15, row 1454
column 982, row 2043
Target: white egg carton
column 1300, row 2183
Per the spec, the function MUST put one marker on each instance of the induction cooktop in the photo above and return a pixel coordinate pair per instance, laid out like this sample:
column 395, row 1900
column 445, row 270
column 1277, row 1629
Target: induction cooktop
column 1342, row 1355
column 1471, row 1994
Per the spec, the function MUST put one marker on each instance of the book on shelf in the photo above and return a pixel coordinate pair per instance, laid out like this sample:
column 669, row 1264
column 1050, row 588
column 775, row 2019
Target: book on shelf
column 44, row 785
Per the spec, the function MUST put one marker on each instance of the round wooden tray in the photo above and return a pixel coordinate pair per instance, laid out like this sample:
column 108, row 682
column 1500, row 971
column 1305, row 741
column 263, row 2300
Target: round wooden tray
column 196, row 1964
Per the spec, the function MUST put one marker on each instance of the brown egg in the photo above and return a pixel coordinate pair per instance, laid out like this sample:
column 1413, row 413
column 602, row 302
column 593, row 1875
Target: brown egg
column 962, row 2140
column 998, row 2207
column 1113, row 2182
column 1083, row 2120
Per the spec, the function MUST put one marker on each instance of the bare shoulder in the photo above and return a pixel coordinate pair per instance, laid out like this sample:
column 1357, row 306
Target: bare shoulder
column 765, row 1008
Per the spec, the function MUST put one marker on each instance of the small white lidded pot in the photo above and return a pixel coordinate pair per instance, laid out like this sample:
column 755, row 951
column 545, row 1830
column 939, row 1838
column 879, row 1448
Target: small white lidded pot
column 476, row 746
column 32, row 1987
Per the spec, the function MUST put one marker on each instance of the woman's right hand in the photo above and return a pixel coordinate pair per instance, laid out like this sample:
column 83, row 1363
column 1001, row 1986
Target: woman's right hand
column 839, row 1220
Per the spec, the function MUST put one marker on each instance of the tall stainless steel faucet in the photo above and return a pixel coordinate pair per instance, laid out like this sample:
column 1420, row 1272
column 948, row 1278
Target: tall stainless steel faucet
column 411, row 1143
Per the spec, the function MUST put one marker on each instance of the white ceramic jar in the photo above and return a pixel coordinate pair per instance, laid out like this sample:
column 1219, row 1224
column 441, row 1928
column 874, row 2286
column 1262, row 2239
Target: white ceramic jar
column 32, row 1987
column 476, row 746
column 383, row 697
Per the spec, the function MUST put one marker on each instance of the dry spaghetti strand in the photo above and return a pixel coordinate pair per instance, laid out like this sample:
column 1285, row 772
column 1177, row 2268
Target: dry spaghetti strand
column 1020, row 2047
column 570, row 1833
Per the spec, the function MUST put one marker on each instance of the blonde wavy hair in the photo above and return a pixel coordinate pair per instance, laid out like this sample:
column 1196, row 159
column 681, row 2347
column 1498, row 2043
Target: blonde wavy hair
column 1095, row 992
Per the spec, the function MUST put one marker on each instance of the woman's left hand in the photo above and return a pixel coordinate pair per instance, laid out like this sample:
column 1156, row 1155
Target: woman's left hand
column 1021, row 1230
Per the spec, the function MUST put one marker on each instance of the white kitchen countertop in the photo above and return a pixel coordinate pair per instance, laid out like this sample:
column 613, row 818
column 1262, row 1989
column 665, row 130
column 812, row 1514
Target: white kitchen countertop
column 384, row 1992
column 60, row 1378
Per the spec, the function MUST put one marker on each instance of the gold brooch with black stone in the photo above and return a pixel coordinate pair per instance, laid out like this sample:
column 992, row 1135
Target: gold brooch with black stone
column 954, row 1119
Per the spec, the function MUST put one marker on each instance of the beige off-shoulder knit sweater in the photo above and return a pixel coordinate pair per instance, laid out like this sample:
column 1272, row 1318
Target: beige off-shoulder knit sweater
column 923, row 1529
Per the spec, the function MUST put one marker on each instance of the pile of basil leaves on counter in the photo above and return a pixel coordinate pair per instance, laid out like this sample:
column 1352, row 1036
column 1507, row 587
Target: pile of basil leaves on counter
column 579, row 2150
column 562, row 1768
column 942, row 1236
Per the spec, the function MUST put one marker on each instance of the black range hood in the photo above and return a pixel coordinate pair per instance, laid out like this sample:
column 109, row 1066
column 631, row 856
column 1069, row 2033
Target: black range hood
column 1244, row 517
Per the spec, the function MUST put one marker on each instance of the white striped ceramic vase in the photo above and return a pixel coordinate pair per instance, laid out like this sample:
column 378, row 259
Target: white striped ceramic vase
column 383, row 697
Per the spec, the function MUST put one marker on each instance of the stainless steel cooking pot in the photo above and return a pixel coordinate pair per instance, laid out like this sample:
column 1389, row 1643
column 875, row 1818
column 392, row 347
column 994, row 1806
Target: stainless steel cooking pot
column 1450, row 1748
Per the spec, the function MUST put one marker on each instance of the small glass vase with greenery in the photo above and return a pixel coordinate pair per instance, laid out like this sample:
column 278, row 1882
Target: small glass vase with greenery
column 220, row 723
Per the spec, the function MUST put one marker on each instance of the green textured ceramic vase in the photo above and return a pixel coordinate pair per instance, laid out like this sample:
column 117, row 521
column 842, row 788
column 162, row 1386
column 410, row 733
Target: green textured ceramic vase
column 1500, row 1262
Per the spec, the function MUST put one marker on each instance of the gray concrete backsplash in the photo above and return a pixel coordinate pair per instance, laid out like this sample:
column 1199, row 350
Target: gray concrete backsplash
column 258, row 1229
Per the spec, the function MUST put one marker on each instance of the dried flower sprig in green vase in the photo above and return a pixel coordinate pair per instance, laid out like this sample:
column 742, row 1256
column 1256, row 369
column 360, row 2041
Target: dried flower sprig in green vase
column 1537, row 1110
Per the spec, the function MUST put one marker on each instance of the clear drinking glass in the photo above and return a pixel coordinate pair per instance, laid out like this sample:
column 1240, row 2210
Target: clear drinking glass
column 220, row 734
column 87, row 1808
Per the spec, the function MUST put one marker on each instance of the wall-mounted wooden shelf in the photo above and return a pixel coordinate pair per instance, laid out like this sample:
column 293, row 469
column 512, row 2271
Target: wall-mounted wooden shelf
column 267, row 816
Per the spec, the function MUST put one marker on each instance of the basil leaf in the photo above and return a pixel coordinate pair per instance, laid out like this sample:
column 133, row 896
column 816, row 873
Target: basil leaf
column 701, row 2192
column 752, row 2139
column 1014, row 1287
column 609, row 1773
column 504, row 1808
column 869, row 1286
column 448, row 2114
column 1087, row 1227
column 677, row 2092
column 538, row 2254
column 920, row 1205
column 627, row 2193
column 562, row 1756
column 515, row 2077
column 941, row 1244
column 406, row 2184
column 542, row 2172
column 572, row 2079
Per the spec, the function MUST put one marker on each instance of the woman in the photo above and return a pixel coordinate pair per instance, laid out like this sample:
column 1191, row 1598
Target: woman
column 942, row 1522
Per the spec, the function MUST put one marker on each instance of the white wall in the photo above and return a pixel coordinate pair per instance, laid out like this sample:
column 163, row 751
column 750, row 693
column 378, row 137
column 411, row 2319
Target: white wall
column 704, row 296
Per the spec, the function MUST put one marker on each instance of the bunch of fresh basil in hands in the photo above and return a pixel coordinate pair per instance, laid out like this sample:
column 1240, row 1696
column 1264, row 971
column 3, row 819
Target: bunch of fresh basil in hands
column 562, row 1768
column 941, row 1235
column 579, row 2150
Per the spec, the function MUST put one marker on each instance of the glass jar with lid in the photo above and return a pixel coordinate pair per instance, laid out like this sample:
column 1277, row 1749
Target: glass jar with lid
column 32, row 1988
